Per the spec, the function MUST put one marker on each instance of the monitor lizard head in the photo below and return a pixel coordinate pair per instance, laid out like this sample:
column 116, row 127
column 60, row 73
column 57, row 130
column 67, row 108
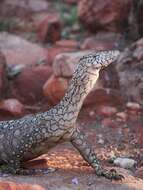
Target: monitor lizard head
column 99, row 60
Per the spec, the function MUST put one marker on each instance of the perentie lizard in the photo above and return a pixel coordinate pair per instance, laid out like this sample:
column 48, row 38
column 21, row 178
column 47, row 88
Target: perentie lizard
column 31, row 136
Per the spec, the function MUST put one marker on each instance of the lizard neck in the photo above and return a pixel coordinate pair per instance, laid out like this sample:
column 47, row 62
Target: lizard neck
column 80, row 86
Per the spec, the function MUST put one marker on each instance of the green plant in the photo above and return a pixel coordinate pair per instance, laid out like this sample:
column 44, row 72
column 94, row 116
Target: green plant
column 71, row 19
column 68, row 13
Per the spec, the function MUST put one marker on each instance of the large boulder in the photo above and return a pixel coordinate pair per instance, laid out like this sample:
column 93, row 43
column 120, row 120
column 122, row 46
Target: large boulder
column 27, row 85
column 55, row 89
column 28, row 68
column 104, row 15
column 19, row 51
column 130, row 72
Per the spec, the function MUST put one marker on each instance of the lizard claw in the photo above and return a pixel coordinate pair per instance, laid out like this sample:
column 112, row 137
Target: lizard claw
column 111, row 174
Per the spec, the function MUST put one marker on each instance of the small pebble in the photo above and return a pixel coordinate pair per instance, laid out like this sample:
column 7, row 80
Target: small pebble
column 126, row 163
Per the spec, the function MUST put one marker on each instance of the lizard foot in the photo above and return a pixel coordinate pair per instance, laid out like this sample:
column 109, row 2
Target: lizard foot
column 111, row 174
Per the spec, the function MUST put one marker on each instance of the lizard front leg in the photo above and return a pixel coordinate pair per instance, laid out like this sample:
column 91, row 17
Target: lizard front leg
column 79, row 142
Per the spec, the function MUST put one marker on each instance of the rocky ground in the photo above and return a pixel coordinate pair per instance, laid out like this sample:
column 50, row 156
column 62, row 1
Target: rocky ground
column 41, row 42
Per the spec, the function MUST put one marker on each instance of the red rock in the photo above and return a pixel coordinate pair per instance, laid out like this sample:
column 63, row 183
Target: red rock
column 65, row 63
column 49, row 29
column 67, row 43
column 19, row 51
column 104, row 15
column 7, row 185
column 108, row 122
column 106, row 111
column 27, row 86
column 12, row 106
column 122, row 116
column 103, row 96
column 103, row 41
column 54, row 89
column 53, row 51
column 3, row 76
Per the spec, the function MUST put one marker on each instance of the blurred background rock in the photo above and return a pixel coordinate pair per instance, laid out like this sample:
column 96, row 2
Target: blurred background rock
column 34, row 32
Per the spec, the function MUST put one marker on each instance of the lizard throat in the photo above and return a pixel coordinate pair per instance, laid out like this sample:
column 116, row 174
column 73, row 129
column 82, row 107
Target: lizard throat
column 76, row 94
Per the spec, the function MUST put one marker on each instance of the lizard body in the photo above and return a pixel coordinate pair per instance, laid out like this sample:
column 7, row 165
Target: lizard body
column 31, row 136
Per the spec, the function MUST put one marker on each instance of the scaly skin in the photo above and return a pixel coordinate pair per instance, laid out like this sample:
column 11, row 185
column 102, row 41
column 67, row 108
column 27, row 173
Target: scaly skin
column 31, row 136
